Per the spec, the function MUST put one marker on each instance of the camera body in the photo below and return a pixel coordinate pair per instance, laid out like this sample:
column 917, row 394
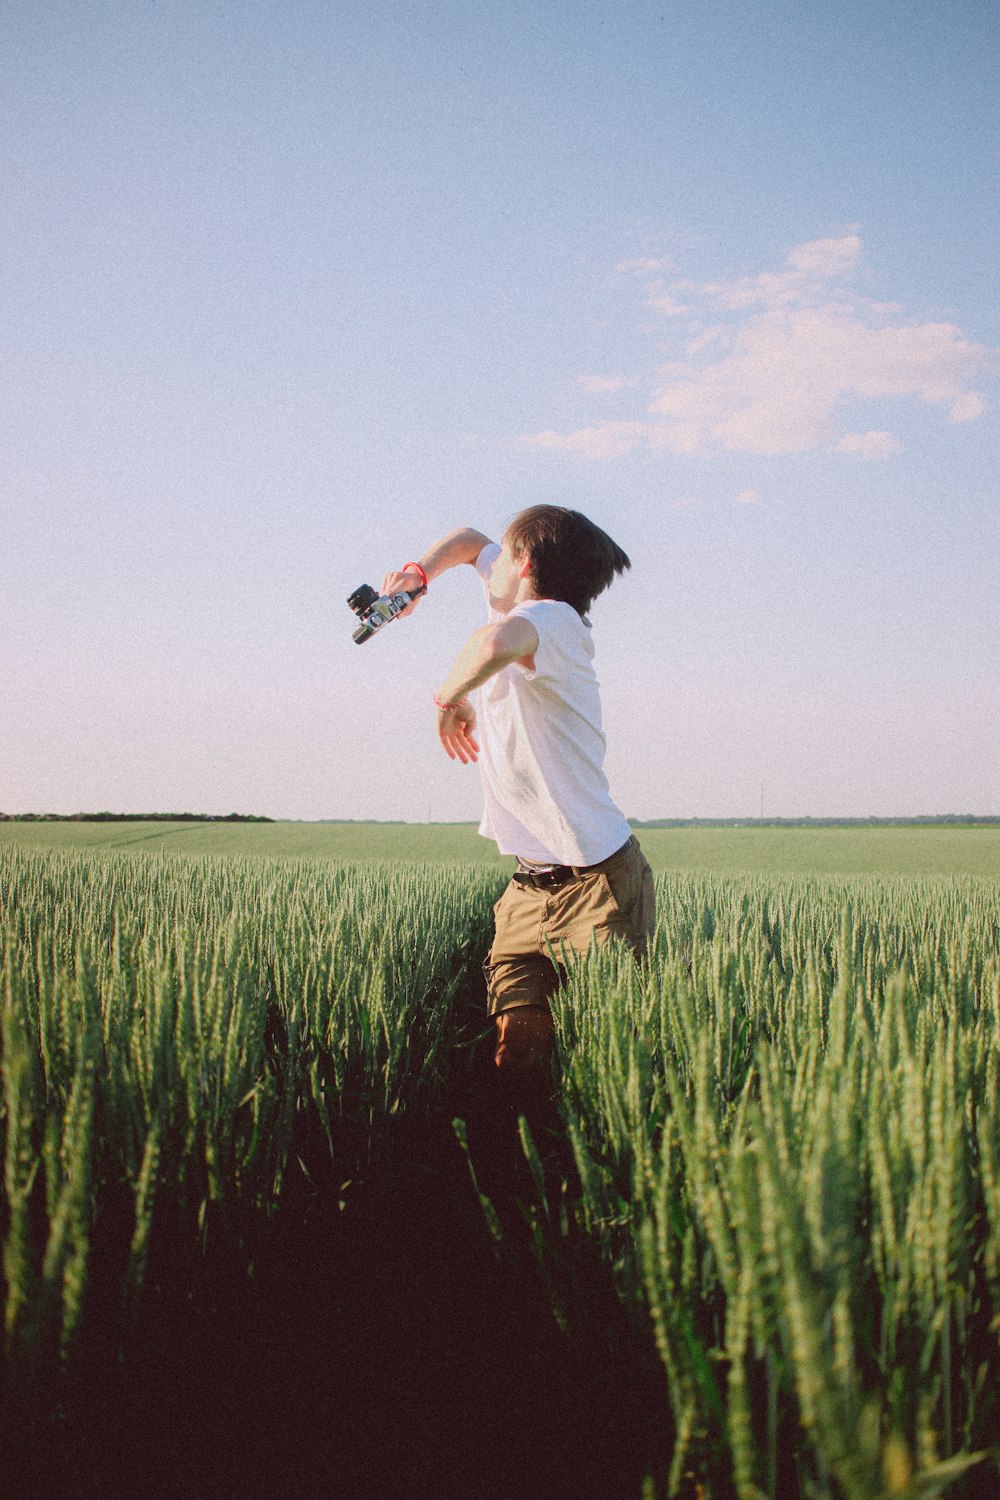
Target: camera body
column 375, row 610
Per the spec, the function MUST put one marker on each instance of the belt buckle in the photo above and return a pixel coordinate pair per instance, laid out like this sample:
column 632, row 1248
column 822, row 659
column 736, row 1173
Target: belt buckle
column 542, row 880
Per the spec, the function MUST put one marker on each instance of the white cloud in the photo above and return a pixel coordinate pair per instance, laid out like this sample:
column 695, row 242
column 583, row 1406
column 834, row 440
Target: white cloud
column 826, row 257
column 667, row 304
column 747, row 497
column 967, row 406
column 869, row 445
column 778, row 360
column 609, row 440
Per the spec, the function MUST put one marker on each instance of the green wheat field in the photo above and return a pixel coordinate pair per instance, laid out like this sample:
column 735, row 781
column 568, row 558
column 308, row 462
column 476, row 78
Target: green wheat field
column 254, row 1213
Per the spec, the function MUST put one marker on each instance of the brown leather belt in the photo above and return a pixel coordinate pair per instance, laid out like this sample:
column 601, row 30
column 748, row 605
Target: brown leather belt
column 544, row 880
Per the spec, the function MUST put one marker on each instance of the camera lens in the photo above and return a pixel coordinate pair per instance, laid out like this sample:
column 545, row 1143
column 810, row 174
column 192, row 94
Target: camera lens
column 362, row 598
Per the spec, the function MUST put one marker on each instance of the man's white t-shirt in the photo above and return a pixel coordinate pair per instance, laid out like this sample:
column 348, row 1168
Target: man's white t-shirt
column 541, row 743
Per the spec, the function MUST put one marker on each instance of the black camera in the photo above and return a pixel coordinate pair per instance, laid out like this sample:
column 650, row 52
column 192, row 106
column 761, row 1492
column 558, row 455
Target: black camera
column 375, row 610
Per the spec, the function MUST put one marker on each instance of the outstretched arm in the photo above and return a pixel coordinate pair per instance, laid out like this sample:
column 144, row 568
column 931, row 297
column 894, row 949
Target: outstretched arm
column 484, row 654
column 461, row 546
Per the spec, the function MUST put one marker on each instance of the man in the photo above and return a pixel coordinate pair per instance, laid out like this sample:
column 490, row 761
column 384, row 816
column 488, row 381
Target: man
column 581, row 877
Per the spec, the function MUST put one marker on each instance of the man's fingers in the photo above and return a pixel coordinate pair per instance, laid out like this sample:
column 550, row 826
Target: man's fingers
column 455, row 728
column 463, row 750
column 392, row 583
column 459, row 747
column 449, row 749
column 396, row 583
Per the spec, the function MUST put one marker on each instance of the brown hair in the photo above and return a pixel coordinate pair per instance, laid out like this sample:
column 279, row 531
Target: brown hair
column 571, row 558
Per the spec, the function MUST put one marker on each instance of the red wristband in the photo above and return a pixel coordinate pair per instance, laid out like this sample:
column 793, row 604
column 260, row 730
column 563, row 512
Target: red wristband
column 446, row 708
column 416, row 569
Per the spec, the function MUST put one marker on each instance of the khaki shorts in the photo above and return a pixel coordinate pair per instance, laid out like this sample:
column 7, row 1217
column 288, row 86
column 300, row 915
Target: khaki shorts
column 610, row 900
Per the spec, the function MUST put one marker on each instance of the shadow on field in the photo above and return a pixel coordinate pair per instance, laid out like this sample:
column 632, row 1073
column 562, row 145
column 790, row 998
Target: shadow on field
column 381, row 1350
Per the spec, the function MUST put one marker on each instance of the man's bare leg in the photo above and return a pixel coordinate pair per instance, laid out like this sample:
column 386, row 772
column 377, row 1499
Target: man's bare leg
column 524, row 1041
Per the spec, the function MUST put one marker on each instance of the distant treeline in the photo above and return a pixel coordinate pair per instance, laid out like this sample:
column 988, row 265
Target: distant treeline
column 152, row 817
column 944, row 820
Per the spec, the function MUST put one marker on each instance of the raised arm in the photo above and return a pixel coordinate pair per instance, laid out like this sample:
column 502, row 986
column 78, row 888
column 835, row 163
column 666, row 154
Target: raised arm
column 461, row 546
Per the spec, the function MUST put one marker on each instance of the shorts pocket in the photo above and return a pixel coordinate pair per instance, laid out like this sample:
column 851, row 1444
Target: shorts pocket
column 630, row 890
column 516, row 919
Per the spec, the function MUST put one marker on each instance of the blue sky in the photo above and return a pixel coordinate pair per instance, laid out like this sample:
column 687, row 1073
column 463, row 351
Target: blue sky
column 290, row 289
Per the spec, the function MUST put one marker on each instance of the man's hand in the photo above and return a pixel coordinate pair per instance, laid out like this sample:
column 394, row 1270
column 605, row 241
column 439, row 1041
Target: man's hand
column 455, row 726
column 395, row 583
